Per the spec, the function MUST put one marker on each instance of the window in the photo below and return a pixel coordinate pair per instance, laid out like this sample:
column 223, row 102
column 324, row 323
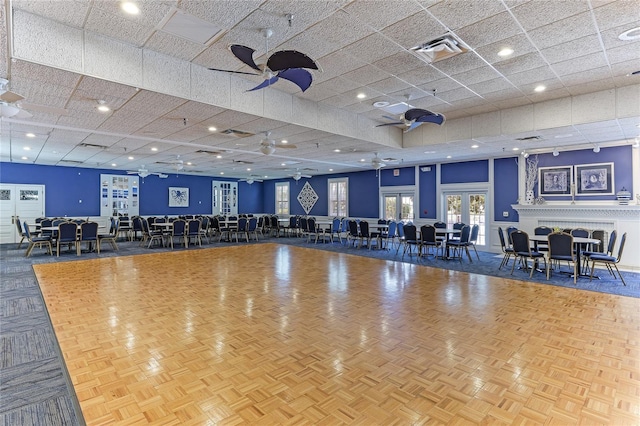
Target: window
column 338, row 197
column 282, row 198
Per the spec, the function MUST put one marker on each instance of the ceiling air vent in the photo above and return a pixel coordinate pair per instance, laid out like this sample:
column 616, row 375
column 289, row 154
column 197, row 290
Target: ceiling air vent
column 236, row 133
column 530, row 138
column 441, row 48
column 204, row 151
column 71, row 161
column 91, row 145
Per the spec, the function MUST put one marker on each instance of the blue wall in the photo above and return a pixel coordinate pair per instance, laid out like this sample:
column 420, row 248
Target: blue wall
column 469, row 171
column 66, row 186
column 505, row 188
column 428, row 196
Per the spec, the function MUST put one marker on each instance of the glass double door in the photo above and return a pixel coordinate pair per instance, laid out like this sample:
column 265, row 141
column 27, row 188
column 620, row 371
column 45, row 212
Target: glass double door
column 399, row 207
column 469, row 208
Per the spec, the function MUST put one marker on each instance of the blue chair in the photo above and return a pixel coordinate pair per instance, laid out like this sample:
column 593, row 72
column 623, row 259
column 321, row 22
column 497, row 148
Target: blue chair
column 36, row 241
column 609, row 261
column 193, row 231
column 89, row 235
column 67, row 234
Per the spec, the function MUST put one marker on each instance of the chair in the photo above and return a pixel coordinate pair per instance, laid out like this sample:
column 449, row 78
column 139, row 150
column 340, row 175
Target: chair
column 473, row 238
column 205, row 228
column 410, row 238
column 366, row 235
column 240, row 229
column 67, row 234
column 151, row 235
column 89, row 235
column 275, row 226
column 609, row 261
column 429, row 240
column 252, row 228
column 542, row 230
column 507, row 250
column 336, row 229
column 194, row 231
column 560, row 248
column 293, row 225
column 36, row 241
column 178, row 231
column 458, row 226
column 21, row 231
column 523, row 251
column 228, row 228
column 510, row 229
column 391, row 234
column 136, row 227
column 461, row 243
column 400, row 235
column 111, row 236
column 353, row 234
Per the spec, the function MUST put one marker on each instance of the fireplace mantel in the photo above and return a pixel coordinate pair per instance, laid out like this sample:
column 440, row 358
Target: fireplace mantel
column 578, row 210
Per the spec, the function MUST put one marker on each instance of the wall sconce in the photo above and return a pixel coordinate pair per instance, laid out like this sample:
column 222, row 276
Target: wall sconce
column 555, row 152
column 596, row 149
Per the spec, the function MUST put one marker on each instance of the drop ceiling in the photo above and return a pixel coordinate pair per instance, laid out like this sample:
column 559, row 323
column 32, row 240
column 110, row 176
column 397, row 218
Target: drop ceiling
column 363, row 47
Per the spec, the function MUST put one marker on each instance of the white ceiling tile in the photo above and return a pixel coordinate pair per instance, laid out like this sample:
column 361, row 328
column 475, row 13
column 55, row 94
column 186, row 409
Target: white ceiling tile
column 520, row 64
column 459, row 63
column 174, row 46
column 580, row 64
column 489, row 30
column 562, row 31
column 414, row 30
column 535, row 14
column 117, row 27
column 71, row 12
column 457, row 14
column 395, row 10
column 615, row 14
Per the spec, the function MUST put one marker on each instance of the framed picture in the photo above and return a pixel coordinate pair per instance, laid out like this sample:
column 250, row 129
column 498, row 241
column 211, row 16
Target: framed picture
column 178, row 197
column 554, row 181
column 594, row 179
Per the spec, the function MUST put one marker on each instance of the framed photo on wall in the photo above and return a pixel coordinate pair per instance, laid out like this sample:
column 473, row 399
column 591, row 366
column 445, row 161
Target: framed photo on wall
column 178, row 197
column 594, row 179
column 554, row 181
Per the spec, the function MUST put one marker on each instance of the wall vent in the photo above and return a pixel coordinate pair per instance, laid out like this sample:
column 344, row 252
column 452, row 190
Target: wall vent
column 440, row 48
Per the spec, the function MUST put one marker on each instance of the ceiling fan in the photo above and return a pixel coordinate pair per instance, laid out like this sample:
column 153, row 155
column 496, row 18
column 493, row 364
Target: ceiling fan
column 377, row 163
column 9, row 102
column 268, row 146
column 298, row 175
column 143, row 173
column 415, row 117
column 251, row 179
column 287, row 64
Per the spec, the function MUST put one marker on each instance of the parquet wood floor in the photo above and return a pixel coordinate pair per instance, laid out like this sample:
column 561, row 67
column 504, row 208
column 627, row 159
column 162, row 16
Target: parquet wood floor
column 269, row 334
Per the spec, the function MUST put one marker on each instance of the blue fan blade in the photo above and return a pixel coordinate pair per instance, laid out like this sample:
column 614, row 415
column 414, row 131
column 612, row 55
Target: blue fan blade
column 436, row 118
column 268, row 82
column 298, row 76
column 290, row 59
column 423, row 116
column 245, row 54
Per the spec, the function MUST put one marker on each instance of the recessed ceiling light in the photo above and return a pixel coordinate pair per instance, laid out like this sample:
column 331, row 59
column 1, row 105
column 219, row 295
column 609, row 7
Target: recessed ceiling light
column 540, row 88
column 555, row 152
column 30, row 135
column 362, row 160
column 188, row 163
column 361, row 96
column 248, row 169
column 330, row 170
column 212, row 129
column 448, row 156
column 515, row 149
column 113, row 164
column 154, row 149
column 218, row 156
column 130, row 7
column 283, row 164
column 632, row 34
column 474, row 146
column 336, row 150
column 380, row 104
column 429, row 152
column 27, row 148
column 24, row 158
column 284, row 141
column 505, row 52
column 221, row 173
